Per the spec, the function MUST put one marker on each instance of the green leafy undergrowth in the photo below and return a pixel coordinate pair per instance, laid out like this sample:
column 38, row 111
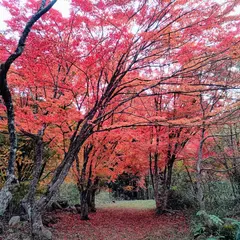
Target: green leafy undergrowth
column 211, row 227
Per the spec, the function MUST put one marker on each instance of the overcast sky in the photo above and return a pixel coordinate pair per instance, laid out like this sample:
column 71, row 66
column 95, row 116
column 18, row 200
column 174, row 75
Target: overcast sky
column 61, row 5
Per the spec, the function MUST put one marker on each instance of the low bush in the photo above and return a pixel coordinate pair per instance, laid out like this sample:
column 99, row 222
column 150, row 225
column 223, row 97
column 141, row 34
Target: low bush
column 212, row 227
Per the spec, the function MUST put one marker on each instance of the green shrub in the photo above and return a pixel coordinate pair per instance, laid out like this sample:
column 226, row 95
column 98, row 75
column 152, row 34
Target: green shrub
column 69, row 192
column 177, row 200
column 219, row 199
column 212, row 227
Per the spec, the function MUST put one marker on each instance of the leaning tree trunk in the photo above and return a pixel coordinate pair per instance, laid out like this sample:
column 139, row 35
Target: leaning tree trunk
column 58, row 178
column 38, row 231
column 28, row 201
column 60, row 174
column 5, row 193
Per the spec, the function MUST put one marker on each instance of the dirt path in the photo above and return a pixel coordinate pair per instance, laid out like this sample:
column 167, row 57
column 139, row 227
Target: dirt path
column 120, row 224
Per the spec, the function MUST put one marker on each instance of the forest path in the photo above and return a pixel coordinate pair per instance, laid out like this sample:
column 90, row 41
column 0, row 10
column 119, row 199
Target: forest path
column 125, row 220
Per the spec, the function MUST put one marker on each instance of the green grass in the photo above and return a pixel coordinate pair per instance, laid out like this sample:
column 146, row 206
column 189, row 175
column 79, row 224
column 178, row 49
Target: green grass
column 135, row 204
column 104, row 200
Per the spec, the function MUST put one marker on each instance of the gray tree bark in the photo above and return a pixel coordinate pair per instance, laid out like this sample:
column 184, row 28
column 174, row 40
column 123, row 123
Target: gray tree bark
column 199, row 187
column 5, row 193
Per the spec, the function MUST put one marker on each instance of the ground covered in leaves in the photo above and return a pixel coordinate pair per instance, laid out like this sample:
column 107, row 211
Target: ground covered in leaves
column 122, row 220
column 129, row 220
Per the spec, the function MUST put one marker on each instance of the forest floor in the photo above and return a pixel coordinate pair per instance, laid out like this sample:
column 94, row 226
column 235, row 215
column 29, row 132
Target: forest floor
column 118, row 220
column 122, row 220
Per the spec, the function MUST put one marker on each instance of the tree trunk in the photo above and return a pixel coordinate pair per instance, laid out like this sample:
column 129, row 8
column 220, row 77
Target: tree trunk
column 147, row 195
column 161, row 196
column 199, row 188
column 91, row 202
column 92, row 195
column 58, row 178
column 29, row 200
column 5, row 194
column 84, row 205
column 83, row 187
column 157, row 195
column 163, row 185
column 39, row 232
column 161, row 204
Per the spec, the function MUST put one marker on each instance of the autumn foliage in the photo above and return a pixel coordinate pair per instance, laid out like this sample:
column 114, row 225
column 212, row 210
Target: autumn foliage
column 139, row 84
